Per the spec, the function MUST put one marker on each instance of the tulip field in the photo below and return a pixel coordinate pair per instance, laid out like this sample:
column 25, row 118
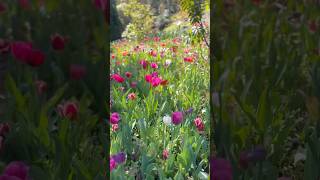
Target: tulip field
column 52, row 56
column 266, row 90
column 159, row 123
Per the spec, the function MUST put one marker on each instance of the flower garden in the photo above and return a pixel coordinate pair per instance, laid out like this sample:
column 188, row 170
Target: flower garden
column 160, row 109
column 52, row 56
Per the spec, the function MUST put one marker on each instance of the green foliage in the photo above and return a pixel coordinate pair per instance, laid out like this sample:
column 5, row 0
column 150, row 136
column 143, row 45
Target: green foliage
column 54, row 146
column 141, row 19
column 195, row 10
column 259, row 48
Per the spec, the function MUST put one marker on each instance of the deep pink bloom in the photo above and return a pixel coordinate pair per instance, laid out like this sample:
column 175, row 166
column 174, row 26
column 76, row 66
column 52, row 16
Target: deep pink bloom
column 36, row 58
column 77, row 71
column 156, row 81
column 114, row 118
column 4, row 129
column 4, row 46
column 41, row 86
column 113, row 164
column 144, row 64
column 154, row 74
column 132, row 96
column 199, row 124
column 154, row 65
column 177, row 117
column 220, row 169
column 69, row 109
column 25, row 4
column 17, row 169
column 3, row 7
column 165, row 154
column 148, row 78
column 133, row 84
column 21, row 50
column 117, row 78
column 58, row 42
column 156, row 39
column 128, row 74
column 188, row 59
column 24, row 52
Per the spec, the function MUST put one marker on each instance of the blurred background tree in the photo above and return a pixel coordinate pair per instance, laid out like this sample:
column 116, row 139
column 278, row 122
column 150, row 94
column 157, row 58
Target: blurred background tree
column 133, row 18
column 116, row 26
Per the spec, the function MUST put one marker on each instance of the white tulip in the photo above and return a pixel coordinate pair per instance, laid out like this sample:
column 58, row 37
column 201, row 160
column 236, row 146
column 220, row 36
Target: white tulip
column 168, row 62
column 167, row 120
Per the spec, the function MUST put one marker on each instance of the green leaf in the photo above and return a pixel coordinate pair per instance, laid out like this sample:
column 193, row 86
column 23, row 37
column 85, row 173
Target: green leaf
column 203, row 176
column 262, row 116
column 19, row 98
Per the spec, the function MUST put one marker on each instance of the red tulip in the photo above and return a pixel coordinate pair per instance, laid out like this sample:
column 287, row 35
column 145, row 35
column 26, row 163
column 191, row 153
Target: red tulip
column 77, row 71
column 25, row 4
column 36, row 58
column 4, row 129
column 133, row 84
column 164, row 82
column 3, row 7
column 144, row 63
column 21, row 50
column 155, row 81
column 58, row 42
column 16, row 170
column 69, row 109
column 24, row 52
column 188, row 59
column 148, row 78
column 115, row 127
column 41, row 86
column 128, row 74
column 117, row 78
column 156, row 39
column 4, row 46
column 165, row 154
column 132, row 96
column 154, row 65
column 199, row 124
